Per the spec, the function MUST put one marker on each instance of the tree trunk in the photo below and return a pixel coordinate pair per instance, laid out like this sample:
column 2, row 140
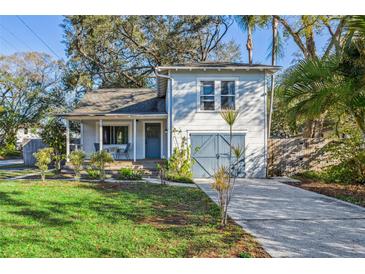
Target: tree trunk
column 308, row 129
column 229, row 176
column 275, row 24
column 309, row 37
column 43, row 176
column 249, row 44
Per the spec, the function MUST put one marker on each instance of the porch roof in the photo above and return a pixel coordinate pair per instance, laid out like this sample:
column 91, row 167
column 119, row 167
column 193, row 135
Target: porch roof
column 120, row 102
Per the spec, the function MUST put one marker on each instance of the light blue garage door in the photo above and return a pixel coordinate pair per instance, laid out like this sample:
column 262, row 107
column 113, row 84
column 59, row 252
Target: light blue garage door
column 211, row 150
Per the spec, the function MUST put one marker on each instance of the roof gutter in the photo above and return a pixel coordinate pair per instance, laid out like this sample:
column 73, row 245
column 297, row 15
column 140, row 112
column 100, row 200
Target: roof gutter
column 161, row 75
column 261, row 68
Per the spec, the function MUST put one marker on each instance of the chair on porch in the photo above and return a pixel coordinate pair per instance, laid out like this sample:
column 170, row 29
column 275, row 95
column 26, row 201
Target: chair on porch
column 124, row 152
column 97, row 147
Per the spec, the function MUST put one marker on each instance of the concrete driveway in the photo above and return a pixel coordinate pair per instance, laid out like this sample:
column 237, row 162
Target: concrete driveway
column 292, row 222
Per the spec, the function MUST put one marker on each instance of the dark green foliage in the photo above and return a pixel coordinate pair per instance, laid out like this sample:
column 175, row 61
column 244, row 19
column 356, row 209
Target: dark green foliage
column 117, row 51
column 54, row 135
column 9, row 151
column 128, row 173
column 244, row 255
column 346, row 172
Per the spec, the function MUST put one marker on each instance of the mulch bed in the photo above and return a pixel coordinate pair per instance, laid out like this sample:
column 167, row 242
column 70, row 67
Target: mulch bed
column 353, row 193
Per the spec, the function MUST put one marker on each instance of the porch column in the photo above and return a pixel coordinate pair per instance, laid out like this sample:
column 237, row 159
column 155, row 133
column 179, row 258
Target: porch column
column 81, row 136
column 134, row 140
column 67, row 139
column 100, row 135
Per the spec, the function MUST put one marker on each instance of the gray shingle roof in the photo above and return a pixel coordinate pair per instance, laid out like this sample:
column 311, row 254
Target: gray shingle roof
column 120, row 101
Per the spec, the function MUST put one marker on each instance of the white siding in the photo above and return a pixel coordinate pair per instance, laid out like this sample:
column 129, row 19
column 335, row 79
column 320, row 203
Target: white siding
column 250, row 101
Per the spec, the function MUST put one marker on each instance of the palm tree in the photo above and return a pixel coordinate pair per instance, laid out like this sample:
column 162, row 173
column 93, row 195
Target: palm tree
column 357, row 23
column 314, row 88
column 248, row 23
column 274, row 54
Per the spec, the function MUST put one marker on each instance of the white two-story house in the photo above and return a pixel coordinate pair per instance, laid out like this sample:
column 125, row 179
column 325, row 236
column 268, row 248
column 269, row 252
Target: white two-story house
column 138, row 124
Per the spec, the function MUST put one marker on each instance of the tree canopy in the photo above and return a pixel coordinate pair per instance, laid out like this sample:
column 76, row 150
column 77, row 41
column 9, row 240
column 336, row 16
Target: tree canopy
column 30, row 85
column 111, row 51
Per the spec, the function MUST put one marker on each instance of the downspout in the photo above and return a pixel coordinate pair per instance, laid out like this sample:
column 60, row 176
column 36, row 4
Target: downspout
column 169, row 107
column 265, row 125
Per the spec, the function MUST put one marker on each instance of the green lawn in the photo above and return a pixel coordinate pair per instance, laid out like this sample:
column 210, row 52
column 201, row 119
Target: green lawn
column 68, row 219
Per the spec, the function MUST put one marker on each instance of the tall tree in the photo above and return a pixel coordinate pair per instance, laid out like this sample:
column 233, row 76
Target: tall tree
column 119, row 51
column 315, row 88
column 302, row 29
column 30, row 85
column 274, row 54
column 248, row 23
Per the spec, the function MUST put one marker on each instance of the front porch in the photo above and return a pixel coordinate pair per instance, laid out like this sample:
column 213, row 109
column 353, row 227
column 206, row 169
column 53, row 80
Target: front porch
column 129, row 138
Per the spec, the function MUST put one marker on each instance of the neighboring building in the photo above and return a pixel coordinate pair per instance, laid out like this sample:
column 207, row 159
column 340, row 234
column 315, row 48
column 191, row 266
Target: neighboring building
column 25, row 134
column 188, row 98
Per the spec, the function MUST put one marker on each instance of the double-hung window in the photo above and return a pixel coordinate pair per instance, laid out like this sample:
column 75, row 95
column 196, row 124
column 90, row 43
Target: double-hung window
column 113, row 135
column 207, row 98
column 228, row 95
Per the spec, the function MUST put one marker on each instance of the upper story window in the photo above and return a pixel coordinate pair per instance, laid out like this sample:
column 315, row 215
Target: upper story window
column 207, row 97
column 228, row 95
column 217, row 95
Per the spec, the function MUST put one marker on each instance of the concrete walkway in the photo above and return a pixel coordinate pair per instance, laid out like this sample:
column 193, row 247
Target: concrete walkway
column 292, row 222
column 10, row 162
column 158, row 182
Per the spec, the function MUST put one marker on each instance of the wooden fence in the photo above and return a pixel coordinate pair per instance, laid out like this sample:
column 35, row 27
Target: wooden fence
column 294, row 155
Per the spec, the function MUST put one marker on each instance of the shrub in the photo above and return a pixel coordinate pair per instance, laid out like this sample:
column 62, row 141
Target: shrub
column 54, row 135
column 127, row 173
column 99, row 160
column 43, row 159
column 180, row 162
column 178, row 167
column 179, row 179
column 350, row 155
column 93, row 173
column 9, row 151
column 162, row 170
column 349, row 171
column 76, row 159
column 222, row 185
column 244, row 255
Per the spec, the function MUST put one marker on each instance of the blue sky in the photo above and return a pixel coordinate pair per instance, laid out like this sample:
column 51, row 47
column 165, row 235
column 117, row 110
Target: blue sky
column 48, row 28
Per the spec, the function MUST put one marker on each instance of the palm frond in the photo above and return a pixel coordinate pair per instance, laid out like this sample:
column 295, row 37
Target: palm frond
column 279, row 50
column 229, row 116
column 357, row 23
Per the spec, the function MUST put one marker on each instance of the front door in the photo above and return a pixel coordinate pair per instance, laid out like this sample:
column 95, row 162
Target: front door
column 152, row 140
